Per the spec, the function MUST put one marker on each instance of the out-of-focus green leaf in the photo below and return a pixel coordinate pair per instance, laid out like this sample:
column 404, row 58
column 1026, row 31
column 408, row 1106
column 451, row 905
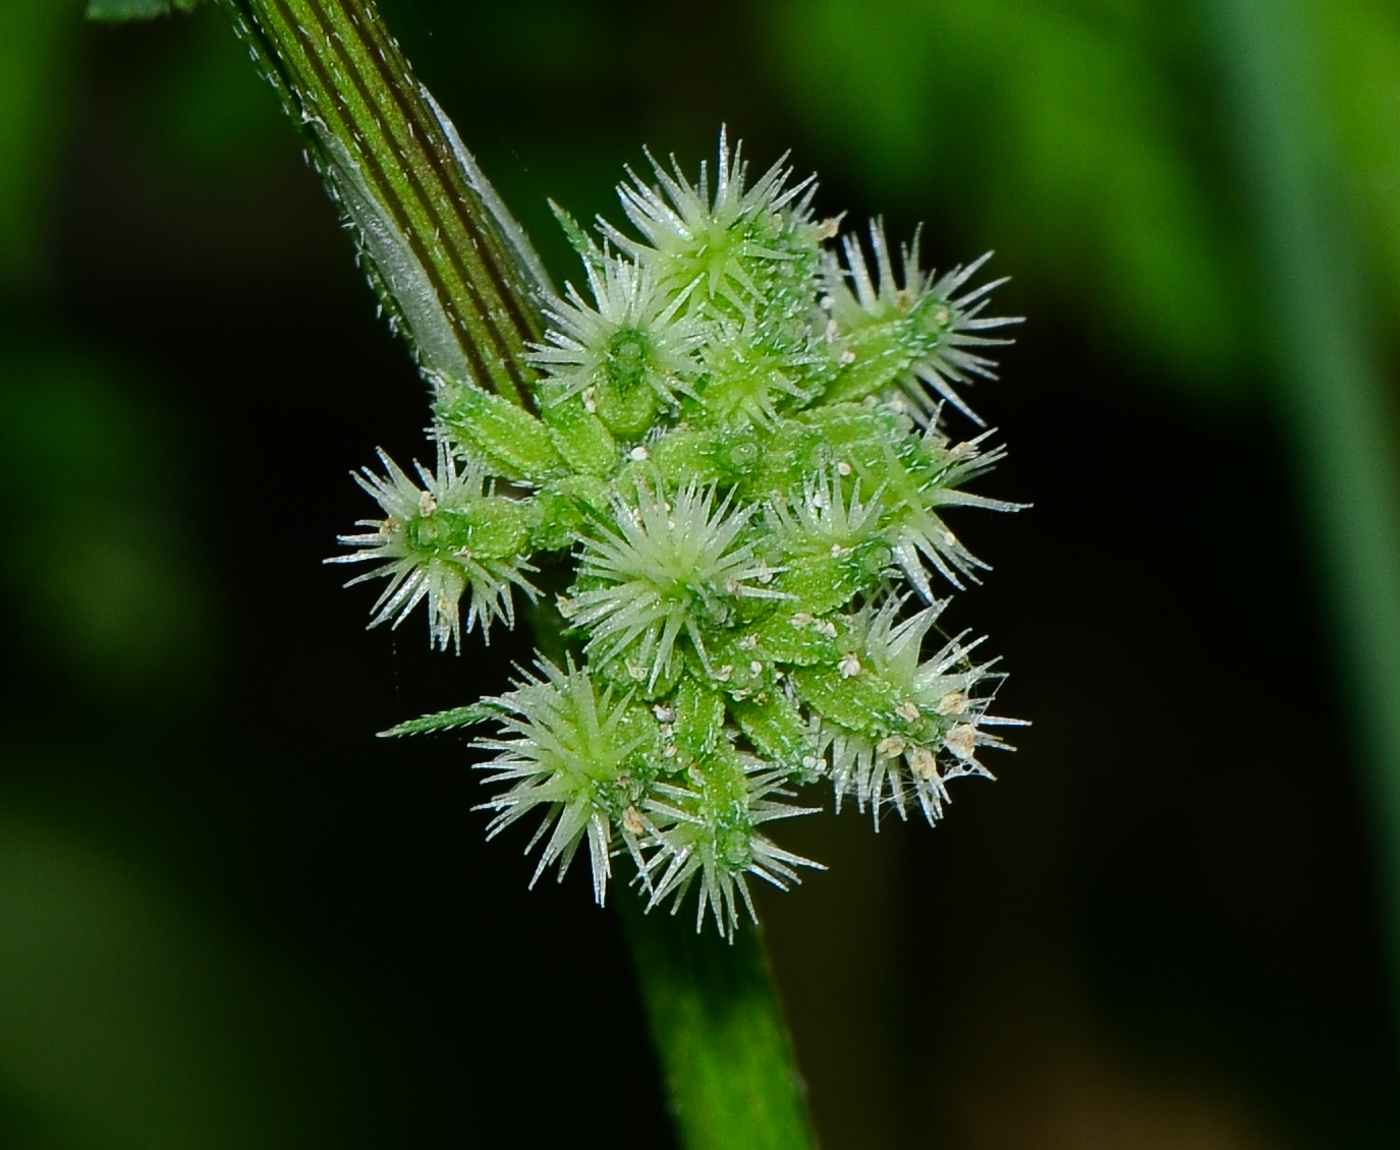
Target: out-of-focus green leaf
column 98, row 574
column 209, row 110
column 1361, row 55
column 1061, row 129
column 135, row 9
column 1081, row 137
column 129, row 1020
column 36, row 58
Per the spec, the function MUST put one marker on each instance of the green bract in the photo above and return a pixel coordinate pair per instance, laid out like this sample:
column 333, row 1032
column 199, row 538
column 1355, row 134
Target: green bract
column 740, row 447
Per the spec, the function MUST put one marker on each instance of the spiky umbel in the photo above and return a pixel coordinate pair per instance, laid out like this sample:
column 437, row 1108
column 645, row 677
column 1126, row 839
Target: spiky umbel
column 740, row 448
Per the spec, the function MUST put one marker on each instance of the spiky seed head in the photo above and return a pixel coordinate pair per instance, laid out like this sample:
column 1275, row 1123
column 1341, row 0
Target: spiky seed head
column 737, row 438
column 661, row 572
column 918, row 324
column 707, row 835
column 828, row 514
column 630, row 350
column 424, row 546
column 732, row 240
column 576, row 753
column 937, row 716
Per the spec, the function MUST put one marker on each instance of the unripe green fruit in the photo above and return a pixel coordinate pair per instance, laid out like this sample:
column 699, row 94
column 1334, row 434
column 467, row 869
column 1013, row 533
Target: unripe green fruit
column 740, row 450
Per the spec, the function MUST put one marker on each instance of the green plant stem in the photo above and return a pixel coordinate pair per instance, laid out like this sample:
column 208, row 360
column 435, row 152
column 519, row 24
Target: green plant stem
column 453, row 268
column 724, row 1050
column 448, row 262
column 1331, row 387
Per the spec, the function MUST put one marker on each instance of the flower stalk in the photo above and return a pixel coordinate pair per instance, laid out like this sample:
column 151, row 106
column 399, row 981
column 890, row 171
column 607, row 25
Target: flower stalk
column 450, row 266
column 719, row 1034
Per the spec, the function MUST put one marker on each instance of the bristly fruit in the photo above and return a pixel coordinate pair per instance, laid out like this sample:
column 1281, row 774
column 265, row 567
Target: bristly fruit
column 741, row 445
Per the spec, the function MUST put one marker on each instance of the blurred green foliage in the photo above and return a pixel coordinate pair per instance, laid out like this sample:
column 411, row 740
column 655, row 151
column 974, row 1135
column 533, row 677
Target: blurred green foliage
column 1361, row 41
column 38, row 63
column 136, row 9
column 130, row 1021
column 104, row 579
column 1081, row 136
column 207, row 110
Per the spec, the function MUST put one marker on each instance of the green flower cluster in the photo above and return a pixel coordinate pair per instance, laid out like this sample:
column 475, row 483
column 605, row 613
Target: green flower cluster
column 736, row 439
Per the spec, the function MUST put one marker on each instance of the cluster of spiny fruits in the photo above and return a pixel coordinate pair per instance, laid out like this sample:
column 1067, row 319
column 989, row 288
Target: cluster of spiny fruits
column 740, row 448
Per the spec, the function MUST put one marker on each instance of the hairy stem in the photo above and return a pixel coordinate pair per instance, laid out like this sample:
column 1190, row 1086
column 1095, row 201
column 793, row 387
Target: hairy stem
column 724, row 1050
column 450, row 265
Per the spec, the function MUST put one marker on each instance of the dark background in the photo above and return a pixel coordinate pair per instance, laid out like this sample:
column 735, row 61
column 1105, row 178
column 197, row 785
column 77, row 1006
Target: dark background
column 229, row 916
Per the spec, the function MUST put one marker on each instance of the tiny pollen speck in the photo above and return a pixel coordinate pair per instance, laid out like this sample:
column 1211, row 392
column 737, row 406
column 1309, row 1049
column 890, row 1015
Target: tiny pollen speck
column 801, row 619
column 847, row 357
column 843, row 468
column 951, row 702
column 426, row 504
column 891, row 747
column 639, row 454
column 923, row 763
column 849, row 667
column 962, row 740
column 908, row 711
column 756, row 667
column 664, row 714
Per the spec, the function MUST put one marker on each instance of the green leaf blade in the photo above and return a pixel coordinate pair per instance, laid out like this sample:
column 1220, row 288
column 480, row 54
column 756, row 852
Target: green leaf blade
column 442, row 721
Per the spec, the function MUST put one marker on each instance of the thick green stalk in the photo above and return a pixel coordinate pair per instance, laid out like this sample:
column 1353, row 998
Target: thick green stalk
column 719, row 1032
column 455, row 270
column 450, row 264
column 1331, row 385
